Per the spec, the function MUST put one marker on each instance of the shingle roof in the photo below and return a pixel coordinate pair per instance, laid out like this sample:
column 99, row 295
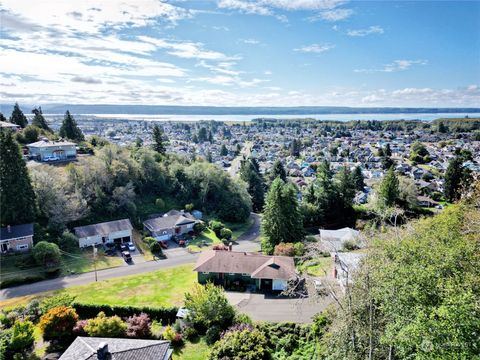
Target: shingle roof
column 47, row 143
column 85, row 348
column 169, row 220
column 103, row 228
column 16, row 231
column 258, row 266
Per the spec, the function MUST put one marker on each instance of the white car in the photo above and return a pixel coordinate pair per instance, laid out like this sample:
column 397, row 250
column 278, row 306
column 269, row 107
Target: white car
column 131, row 247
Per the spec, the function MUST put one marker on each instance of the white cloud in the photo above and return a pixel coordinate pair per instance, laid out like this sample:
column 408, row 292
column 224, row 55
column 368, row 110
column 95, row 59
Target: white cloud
column 365, row 32
column 397, row 65
column 333, row 15
column 250, row 41
column 315, row 48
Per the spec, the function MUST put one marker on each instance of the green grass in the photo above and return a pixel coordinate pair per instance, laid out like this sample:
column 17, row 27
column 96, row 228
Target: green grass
column 197, row 350
column 207, row 237
column 160, row 288
column 146, row 205
column 317, row 267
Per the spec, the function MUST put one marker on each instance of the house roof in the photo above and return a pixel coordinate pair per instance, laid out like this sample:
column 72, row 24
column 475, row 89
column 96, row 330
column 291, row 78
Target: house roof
column 85, row 348
column 258, row 266
column 4, row 124
column 343, row 234
column 47, row 143
column 16, row 231
column 169, row 220
column 103, row 228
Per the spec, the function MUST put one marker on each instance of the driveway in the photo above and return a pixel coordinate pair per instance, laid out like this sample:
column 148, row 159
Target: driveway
column 263, row 307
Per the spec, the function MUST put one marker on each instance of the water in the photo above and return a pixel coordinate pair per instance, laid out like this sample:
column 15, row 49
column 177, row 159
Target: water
column 247, row 118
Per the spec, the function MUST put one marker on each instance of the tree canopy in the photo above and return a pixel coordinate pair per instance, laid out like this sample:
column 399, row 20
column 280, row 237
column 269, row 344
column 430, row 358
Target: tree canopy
column 70, row 129
column 18, row 117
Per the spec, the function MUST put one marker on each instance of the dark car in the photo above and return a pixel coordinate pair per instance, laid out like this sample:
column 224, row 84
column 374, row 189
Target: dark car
column 126, row 256
column 123, row 247
column 110, row 252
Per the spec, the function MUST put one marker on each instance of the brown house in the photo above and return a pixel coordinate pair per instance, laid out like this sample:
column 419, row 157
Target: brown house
column 249, row 269
column 18, row 238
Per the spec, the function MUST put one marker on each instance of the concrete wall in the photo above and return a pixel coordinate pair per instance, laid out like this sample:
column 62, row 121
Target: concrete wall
column 97, row 239
column 42, row 152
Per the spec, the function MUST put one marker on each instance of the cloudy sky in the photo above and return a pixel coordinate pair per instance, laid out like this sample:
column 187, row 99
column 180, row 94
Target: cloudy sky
column 240, row 52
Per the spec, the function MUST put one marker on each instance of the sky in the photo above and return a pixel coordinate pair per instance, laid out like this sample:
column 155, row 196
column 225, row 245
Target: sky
column 241, row 52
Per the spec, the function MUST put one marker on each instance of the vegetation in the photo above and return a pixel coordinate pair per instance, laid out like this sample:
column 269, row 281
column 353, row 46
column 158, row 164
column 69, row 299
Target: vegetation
column 158, row 140
column 241, row 345
column 106, row 326
column 58, row 322
column 456, row 177
column 70, row 129
column 250, row 173
column 18, row 117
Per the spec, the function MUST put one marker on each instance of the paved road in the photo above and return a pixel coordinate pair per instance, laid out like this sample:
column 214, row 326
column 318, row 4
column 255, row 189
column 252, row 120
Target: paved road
column 247, row 242
column 235, row 166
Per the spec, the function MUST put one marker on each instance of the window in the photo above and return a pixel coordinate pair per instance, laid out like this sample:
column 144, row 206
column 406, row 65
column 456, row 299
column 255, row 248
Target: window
column 22, row 247
column 231, row 273
column 205, row 272
column 245, row 274
column 164, row 232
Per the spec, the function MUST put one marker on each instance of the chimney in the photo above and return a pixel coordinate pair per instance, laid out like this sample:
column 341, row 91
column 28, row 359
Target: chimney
column 9, row 229
column 230, row 246
column 102, row 351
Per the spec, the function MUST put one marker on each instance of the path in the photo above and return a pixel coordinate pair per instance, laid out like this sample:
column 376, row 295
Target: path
column 235, row 166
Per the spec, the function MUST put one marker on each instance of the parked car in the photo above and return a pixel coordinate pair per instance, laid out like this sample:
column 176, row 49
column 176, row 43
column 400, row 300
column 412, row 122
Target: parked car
column 126, row 256
column 123, row 247
column 131, row 247
column 110, row 251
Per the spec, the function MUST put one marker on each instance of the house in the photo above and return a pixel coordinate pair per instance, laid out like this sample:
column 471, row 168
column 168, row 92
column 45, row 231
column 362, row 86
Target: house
column 7, row 125
column 97, row 348
column 118, row 232
column 259, row 272
column 425, row 201
column 16, row 238
column 46, row 150
column 334, row 240
column 172, row 223
column 344, row 267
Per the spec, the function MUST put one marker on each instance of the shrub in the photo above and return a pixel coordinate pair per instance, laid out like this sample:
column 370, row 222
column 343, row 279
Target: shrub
column 226, row 233
column 299, row 249
column 103, row 326
column 284, row 249
column 189, row 207
column 245, row 345
column 213, row 335
column 20, row 281
column 47, row 254
column 199, row 227
column 169, row 333
column 156, row 248
column 177, row 340
column 350, row 245
column 160, row 203
column 190, row 333
column 79, row 328
column 22, row 335
column 216, row 227
column 242, row 319
column 237, row 327
column 67, row 241
column 32, row 310
column 139, row 326
column 10, row 318
column 58, row 322
column 56, row 301
column 149, row 240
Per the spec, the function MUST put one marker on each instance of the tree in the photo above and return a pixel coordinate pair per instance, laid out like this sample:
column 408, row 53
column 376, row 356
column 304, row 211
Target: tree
column 419, row 153
column 58, row 322
column 47, row 254
column 282, row 219
column 358, row 179
column 202, row 135
column 30, row 134
column 387, row 162
column 17, row 198
column 241, row 345
column 70, row 129
column 158, row 140
column 278, row 170
column 388, row 190
column 103, row 326
column 22, row 335
column 39, row 121
column 223, row 150
column 455, row 176
column 388, row 150
column 295, row 147
column 3, row 118
column 18, row 117
column 250, row 173
column 209, row 307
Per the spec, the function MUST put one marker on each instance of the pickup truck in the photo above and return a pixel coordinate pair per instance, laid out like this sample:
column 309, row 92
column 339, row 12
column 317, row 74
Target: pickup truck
column 126, row 256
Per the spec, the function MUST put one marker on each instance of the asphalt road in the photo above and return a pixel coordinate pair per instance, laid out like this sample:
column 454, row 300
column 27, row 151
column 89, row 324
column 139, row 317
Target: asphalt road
column 247, row 242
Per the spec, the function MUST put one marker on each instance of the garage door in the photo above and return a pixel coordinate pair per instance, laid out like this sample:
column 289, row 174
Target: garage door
column 163, row 237
column 279, row 284
column 126, row 239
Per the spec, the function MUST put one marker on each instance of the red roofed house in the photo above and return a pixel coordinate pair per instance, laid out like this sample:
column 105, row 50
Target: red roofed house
column 256, row 271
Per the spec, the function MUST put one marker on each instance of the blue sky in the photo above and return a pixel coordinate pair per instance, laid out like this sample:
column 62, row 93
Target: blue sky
column 241, row 52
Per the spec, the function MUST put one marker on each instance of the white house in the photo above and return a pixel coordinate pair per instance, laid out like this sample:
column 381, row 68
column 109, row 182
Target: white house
column 118, row 231
column 46, row 150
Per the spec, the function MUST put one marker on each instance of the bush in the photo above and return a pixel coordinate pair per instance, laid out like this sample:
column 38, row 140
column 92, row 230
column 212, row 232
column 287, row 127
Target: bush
column 165, row 315
column 245, row 345
column 226, row 233
column 350, row 245
column 177, row 340
column 216, row 226
column 299, row 249
column 213, row 335
column 156, row 248
column 139, row 326
column 47, row 254
column 237, row 327
column 242, row 319
column 199, row 227
column 284, row 249
column 149, row 240
column 79, row 328
column 32, row 310
column 169, row 333
column 189, row 207
column 67, row 241
column 160, row 203
column 104, row 326
column 22, row 335
column 20, row 281
column 56, row 301
column 190, row 333
column 58, row 322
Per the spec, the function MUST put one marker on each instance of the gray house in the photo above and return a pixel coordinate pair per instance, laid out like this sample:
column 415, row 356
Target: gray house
column 172, row 223
column 46, row 150
column 118, row 231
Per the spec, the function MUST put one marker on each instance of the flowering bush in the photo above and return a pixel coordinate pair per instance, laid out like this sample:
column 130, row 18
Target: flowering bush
column 139, row 326
column 58, row 322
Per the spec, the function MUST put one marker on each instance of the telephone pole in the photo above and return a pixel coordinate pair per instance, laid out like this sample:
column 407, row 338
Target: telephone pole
column 95, row 261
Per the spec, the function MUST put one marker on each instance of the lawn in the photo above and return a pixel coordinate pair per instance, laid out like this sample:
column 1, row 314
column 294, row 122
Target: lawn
column 317, row 267
column 197, row 350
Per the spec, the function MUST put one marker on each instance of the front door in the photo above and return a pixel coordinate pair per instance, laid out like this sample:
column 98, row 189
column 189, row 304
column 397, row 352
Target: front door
column 4, row 247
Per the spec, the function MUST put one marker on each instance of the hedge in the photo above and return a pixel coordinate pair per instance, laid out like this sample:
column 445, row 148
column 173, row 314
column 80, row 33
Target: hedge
column 165, row 315
column 20, row 281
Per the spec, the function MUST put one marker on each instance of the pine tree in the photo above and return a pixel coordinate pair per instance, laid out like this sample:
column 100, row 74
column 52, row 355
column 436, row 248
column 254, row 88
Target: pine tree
column 17, row 198
column 39, row 121
column 158, row 139
column 3, row 118
column 455, row 176
column 256, row 187
column 346, row 186
column 278, row 170
column 210, row 137
column 70, row 129
column 18, row 117
column 223, row 150
column 358, row 179
column 388, row 150
column 389, row 188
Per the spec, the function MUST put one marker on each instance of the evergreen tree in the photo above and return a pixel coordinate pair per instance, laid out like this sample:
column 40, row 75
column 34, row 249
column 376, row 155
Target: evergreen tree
column 346, row 187
column 282, row 220
column 358, row 179
column 158, row 139
column 389, row 188
column 3, row 118
column 278, row 170
column 455, row 176
column 18, row 117
column 256, row 187
column 295, row 148
column 17, row 198
column 202, row 135
column 388, row 150
column 210, row 137
column 39, row 121
column 387, row 162
column 223, row 150
column 70, row 129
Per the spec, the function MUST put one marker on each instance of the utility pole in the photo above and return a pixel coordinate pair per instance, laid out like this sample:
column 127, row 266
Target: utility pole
column 95, row 261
